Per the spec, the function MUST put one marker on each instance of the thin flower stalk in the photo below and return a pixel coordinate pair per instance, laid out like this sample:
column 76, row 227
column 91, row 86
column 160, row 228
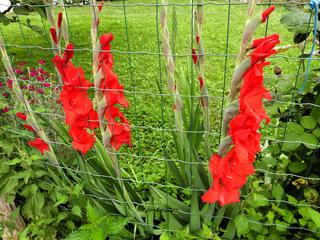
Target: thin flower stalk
column 58, row 29
column 241, row 64
column 30, row 120
column 99, row 97
column 199, row 65
column 54, row 37
column 177, row 106
column 97, row 75
column 109, row 94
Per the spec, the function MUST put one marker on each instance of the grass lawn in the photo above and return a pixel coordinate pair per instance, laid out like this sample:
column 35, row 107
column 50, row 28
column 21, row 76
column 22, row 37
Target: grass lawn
column 140, row 71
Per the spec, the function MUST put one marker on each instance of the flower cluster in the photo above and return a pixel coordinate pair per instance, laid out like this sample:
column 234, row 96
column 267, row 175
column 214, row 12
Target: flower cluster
column 229, row 172
column 118, row 125
column 37, row 143
column 32, row 80
column 78, row 108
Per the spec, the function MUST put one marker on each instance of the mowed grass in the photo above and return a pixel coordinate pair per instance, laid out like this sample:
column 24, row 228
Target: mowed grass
column 136, row 52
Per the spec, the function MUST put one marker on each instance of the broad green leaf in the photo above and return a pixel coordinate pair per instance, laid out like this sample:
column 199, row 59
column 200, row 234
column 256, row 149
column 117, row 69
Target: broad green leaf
column 287, row 215
column 292, row 199
column 315, row 112
column 297, row 167
column 21, row 10
column 113, row 225
column 97, row 234
column 258, row 200
column 296, row 21
column 309, row 140
column 281, row 226
column 92, row 214
column 291, row 142
column 316, row 132
column 294, row 128
column 277, row 191
column 76, row 210
column 315, row 216
column 308, row 122
column 242, row 225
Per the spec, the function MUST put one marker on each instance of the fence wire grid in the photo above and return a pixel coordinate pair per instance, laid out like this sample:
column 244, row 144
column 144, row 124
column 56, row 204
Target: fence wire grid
column 140, row 65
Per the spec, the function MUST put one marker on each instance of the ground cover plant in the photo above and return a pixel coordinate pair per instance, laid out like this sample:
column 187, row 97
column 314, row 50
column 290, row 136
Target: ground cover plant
column 150, row 188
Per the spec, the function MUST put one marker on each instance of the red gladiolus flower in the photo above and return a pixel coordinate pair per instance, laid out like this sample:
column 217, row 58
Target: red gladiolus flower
column 28, row 127
column 59, row 19
column 77, row 106
column 113, row 93
column 39, row 144
column 266, row 13
column 194, row 56
column 22, row 116
column 100, row 7
column 201, row 82
column 82, row 140
column 229, row 172
column 54, row 35
column 197, row 39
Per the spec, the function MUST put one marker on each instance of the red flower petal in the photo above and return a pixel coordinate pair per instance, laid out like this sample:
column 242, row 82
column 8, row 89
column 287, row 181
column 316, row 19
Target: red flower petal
column 54, row 35
column 59, row 19
column 266, row 13
column 100, row 7
column 22, row 116
column 68, row 53
column 82, row 140
column 201, row 82
column 28, row 127
column 197, row 39
column 39, row 144
column 194, row 56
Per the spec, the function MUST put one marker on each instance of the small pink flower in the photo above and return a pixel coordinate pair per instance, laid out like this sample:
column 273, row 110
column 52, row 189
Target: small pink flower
column 5, row 95
column 5, row 110
column 31, row 88
column 21, row 64
column 46, row 84
column 18, row 71
column 33, row 73
column 40, row 70
column 40, row 90
column 42, row 62
column 24, row 87
column 9, row 82
column 1, row 84
column 25, row 78
column 40, row 78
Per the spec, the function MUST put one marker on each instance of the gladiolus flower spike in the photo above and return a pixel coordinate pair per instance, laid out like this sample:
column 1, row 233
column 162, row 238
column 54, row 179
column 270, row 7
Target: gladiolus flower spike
column 230, row 171
column 114, row 95
column 78, row 108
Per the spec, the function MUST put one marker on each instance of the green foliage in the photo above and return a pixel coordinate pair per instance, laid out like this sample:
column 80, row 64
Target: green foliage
column 100, row 226
column 242, row 225
column 297, row 20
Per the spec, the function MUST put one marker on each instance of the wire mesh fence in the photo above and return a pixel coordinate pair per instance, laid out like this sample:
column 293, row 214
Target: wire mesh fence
column 140, row 65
